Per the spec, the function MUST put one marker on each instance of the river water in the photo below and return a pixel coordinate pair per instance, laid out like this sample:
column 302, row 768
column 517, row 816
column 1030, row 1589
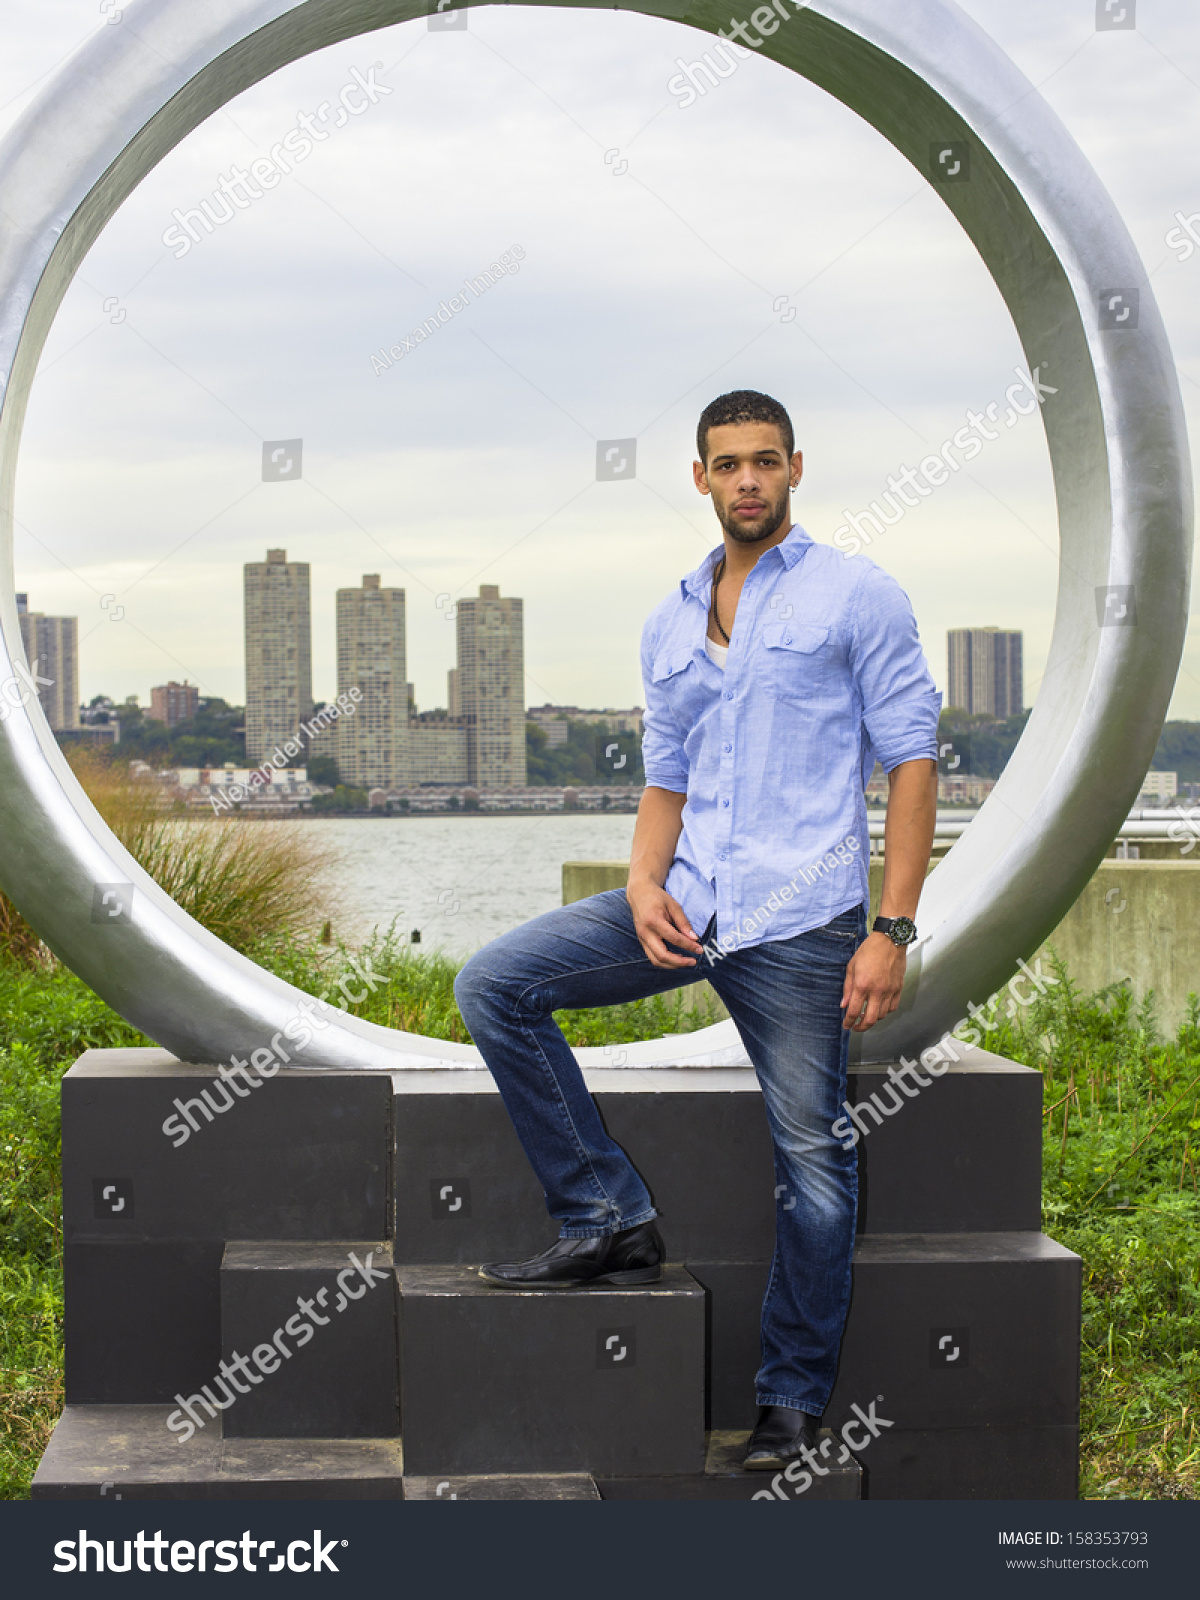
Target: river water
column 460, row 880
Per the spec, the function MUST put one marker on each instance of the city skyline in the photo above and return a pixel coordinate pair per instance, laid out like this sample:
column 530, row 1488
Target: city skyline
column 477, row 738
column 473, row 459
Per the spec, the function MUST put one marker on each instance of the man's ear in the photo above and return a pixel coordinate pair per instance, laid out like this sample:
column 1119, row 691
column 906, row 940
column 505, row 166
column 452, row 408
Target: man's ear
column 797, row 466
column 700, row 477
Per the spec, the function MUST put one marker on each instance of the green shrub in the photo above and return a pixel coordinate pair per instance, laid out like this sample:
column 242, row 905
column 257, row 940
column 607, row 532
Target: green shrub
column 1120, row 1185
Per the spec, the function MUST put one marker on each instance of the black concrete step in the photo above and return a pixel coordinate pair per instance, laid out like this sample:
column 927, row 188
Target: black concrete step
column 129, row 1453
column 315, row 1325
column 141, row 1319
column 592, row 1380
column 306, row 1155
column 504, row 1486
column 1008, row 1303
column 988, row 1463
column 839, row 1476
column 962, row 1155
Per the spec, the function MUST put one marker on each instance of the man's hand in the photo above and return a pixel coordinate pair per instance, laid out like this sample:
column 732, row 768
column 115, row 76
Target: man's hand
column 657, row 920
column 874, row 980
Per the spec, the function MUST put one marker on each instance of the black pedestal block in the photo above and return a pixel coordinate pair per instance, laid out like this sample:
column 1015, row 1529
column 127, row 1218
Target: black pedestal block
column 962, row 1331
column 1029, row 1463
column 317, row 1326
column 504, row 1486
column 590, row 1380
column 1007, row 1303
column 141, row 1320
column 963, row 1155
column 128, row 1452
column 305, row 1155
column 723, row 1477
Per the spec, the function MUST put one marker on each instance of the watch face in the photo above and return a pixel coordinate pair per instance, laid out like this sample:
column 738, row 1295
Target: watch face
column 903, row 930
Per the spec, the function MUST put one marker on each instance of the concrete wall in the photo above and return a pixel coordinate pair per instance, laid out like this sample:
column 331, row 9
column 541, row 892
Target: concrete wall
column 1136, row 921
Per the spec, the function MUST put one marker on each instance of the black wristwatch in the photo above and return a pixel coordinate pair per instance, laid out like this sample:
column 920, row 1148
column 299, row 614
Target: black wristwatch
column 900, row 930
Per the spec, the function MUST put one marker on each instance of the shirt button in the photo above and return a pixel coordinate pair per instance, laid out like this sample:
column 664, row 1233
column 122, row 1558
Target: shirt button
column 787, row 638
column 723, row 856
column 729, row 694
column 724, row 802
column 727, row 748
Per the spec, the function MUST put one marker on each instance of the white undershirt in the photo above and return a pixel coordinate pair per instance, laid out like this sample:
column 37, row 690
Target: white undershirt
column 716, row 652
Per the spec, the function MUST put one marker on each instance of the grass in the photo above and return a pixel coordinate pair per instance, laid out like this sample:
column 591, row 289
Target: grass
column 1122, row 1121
column 236, row 880
column 1120, row 1185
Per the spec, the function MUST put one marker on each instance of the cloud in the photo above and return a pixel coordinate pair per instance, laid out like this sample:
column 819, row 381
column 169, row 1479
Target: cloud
column 641, row 295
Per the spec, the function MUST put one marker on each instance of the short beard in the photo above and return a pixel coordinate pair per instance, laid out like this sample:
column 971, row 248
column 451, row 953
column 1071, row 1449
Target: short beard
column 773, row 520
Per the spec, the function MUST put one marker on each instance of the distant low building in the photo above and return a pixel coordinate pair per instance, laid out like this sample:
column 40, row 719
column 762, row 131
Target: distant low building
column 258, row 790
column 551, row 718
column 102, row 735
column 962, row 789
column 1161, row 785
column 537, row 797
column 173, row 703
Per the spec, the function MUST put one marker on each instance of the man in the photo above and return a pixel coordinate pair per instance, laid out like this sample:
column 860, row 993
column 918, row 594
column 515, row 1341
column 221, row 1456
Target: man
column 774, row 678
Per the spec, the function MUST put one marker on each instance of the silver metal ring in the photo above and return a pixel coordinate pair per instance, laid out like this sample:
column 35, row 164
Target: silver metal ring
column 929, row 80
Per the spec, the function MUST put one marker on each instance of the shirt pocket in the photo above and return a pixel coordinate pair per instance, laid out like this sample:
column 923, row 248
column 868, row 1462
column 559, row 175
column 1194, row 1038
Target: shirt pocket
column 677, row 675
column 800, row 660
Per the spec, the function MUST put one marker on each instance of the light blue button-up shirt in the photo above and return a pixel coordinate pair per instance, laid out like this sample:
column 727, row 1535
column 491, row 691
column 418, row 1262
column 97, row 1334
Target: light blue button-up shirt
column 825, row 675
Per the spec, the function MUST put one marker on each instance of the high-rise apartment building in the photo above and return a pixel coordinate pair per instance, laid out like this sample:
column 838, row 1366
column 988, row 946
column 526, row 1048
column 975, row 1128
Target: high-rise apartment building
column 490, row 687
column 52, row 653
column 372, row 745
column 278, row 652
column 986, row 674
column 174, row 702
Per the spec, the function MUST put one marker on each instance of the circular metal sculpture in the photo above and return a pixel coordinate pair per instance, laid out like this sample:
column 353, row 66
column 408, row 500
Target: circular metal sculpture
column 944, row 95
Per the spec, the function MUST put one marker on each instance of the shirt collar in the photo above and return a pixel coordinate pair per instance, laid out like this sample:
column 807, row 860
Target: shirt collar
column 789, row 551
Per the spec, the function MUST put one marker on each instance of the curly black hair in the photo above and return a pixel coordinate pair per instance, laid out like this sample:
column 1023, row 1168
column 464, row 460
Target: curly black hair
column 743, row 405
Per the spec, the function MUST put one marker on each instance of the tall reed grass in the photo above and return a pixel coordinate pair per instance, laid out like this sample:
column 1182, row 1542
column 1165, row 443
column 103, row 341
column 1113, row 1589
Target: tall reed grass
column 247, row 882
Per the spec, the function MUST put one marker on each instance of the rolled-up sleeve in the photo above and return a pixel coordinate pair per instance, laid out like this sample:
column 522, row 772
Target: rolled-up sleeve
column 663, row 754
column 900, row 704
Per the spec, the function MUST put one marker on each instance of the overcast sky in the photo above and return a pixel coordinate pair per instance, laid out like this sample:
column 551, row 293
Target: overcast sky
column 657, row 241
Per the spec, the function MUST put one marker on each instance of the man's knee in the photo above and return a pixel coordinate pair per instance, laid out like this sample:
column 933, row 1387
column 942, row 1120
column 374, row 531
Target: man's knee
column 471, row 986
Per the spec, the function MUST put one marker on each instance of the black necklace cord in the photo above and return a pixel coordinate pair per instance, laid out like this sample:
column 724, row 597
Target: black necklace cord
column 717, row 576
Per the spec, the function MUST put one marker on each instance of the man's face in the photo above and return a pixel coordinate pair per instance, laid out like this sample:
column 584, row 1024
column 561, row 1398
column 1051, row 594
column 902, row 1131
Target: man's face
column 749, row 478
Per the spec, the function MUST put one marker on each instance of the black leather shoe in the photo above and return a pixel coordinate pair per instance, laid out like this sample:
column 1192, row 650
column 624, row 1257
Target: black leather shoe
column 635, row 1255
column 779, row 1437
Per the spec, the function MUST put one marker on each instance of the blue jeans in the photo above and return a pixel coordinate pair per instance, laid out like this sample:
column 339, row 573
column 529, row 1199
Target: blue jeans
column 784, row 997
